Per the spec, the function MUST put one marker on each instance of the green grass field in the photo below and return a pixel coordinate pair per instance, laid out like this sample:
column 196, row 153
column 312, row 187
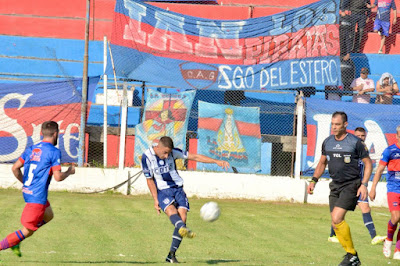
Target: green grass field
column 116, row 229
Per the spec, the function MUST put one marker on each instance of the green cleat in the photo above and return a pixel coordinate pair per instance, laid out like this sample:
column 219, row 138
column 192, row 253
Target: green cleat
column 377, row 240
column 186, row 232
column 16, row 250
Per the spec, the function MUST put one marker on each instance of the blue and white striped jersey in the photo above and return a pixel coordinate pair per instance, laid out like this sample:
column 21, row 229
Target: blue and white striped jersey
column 163, row 171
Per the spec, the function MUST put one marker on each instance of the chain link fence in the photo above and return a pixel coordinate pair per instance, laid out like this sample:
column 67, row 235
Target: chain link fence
column 276, row 119
column 366, row 77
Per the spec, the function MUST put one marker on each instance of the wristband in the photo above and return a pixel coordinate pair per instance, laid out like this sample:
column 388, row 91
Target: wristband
column 314, row 180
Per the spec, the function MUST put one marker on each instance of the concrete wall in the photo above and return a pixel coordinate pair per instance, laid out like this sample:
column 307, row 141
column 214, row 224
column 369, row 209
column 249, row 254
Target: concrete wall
column 200, row 184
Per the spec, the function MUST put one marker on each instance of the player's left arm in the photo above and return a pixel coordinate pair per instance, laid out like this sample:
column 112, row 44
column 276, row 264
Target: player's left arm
column 205, row 159
column 60, row 176
column 16, row 169
column 367, row 169
column 56, row 167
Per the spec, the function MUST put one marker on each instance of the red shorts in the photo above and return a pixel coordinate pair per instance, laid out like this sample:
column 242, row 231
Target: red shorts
column 393, row 199
column 32, row 215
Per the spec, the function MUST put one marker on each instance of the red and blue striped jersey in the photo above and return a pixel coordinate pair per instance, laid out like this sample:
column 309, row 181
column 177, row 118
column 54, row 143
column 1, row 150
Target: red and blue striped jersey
column 391, row 158
column 39, row 161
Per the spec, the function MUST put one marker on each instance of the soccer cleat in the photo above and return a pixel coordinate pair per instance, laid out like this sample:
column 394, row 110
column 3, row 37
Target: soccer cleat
column 333, row 239
column 350, row 260
column 16, row 250
column 378, row 239
column 186, row 232
column 171, row 258
column 396, row 255
column 387, row 248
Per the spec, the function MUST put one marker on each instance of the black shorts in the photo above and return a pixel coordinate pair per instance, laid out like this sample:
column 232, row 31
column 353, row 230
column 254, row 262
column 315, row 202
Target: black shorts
column 344, row 195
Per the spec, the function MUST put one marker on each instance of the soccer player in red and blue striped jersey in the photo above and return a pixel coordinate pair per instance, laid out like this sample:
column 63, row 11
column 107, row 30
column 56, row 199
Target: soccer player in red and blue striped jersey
column 390, row 158
column 40, row 163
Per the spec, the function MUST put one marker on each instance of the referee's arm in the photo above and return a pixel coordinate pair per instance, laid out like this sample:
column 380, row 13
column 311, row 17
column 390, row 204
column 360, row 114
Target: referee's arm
column 362, row 190
column 367, row 169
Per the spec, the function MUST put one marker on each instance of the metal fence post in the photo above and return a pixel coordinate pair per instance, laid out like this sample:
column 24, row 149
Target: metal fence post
column 124, row 112
column 299, row 137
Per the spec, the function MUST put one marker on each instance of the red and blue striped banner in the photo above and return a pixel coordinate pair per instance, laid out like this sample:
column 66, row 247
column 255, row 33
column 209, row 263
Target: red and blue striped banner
column 25, row 106
column 296, row 48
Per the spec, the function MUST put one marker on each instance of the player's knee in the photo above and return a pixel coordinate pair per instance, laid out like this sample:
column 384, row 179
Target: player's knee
column 395, row 217
column 49, row 217
column 27, row 232
column 337, row 219
column 364, row 208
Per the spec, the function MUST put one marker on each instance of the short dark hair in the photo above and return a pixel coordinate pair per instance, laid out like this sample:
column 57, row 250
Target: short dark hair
column 361, row 129
column 167, row 142
column 342, row 114
column 49, row 128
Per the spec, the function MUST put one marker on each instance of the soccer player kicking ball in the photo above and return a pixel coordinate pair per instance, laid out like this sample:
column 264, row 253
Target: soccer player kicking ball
column 390, row 158
column 342, row 152
column 166, row 186
column 40, row 162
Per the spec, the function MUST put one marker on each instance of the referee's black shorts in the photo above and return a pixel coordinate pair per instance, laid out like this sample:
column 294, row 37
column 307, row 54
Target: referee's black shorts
column 344, row 195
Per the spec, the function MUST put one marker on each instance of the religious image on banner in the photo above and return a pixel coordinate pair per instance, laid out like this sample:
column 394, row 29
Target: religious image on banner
column 230, row 133
column 164, row 115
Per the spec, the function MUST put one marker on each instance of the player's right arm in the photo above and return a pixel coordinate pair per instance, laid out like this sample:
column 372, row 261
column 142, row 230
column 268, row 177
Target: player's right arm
column 319, row 170
column 149, row 174
column 16, row 169
column 377, row 177
column 153, row 190
column 379, row 171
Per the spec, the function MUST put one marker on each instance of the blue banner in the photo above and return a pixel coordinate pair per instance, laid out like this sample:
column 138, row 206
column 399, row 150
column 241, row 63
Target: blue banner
column 164, row 115
column 230, row 133
column 25, row 106
column 297, row 48
column 381, row 131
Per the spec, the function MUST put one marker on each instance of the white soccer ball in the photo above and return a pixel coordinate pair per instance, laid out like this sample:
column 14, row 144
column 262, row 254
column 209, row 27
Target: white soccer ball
column 210, row 211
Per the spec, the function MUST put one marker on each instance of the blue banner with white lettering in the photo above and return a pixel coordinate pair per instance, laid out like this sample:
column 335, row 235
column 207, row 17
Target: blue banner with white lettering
column 381, row 130
column 296, row 48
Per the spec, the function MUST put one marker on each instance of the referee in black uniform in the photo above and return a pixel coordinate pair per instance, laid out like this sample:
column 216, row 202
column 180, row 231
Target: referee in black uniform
column 341, row 152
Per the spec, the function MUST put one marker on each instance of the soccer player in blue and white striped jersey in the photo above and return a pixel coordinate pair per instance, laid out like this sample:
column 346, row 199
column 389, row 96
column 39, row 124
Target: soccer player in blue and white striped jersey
column 166, row 186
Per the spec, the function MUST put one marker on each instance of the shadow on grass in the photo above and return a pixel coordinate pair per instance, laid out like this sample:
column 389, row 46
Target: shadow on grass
column 221, row 261
column 107, row 262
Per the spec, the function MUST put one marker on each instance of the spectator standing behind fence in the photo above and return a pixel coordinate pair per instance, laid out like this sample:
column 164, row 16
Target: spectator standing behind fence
column 359, row 15
column 334, row 93
column 382, row 20
column 345, row 30
column 362, row 85
column 388, row 86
